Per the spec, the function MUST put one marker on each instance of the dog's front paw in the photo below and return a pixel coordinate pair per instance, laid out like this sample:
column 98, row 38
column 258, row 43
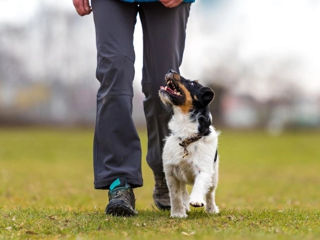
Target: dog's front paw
column 178, row 215
column 196, row 202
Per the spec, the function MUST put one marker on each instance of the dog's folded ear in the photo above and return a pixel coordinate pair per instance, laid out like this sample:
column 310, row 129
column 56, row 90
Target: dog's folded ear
column 206, row 95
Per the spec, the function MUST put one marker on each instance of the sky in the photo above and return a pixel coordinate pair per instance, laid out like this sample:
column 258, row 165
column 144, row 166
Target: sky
column 21, row 10
column 264, row 29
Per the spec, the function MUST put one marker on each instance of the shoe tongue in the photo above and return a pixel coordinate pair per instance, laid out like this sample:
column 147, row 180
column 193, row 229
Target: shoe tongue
column 119, row 182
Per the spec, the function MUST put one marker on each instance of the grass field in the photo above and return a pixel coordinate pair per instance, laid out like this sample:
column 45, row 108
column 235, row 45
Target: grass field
column 269, row 189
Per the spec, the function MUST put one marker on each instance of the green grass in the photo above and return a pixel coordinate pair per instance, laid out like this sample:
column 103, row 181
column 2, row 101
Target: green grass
column 269, row 188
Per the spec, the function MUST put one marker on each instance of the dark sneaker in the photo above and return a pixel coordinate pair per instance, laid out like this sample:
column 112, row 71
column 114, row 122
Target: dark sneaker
column 121, row 199
column 161, row 193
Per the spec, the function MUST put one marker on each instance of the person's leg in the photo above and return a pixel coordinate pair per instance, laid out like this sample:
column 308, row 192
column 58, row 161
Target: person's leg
column 117, row 151
column 164, row 32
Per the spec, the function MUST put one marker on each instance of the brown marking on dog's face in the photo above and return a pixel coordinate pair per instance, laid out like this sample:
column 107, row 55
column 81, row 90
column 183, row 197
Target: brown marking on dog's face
column 176, row 76
column 187, row 105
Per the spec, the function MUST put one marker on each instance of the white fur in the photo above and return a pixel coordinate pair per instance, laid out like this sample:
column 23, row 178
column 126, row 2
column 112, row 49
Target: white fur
column 197, row 168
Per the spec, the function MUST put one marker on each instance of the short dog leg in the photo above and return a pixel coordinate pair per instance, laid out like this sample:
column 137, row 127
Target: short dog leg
column 199, row 190
column 176, row 198
column 185, row 196
column 211, row 203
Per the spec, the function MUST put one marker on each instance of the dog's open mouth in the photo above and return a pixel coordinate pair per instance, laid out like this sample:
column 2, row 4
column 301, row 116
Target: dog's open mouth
column 172, row 88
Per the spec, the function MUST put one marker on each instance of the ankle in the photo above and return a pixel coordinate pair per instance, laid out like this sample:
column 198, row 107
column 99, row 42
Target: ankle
column 119, row 183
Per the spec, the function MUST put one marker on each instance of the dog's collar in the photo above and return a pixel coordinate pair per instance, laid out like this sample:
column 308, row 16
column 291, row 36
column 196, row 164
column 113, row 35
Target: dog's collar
column 186, row 142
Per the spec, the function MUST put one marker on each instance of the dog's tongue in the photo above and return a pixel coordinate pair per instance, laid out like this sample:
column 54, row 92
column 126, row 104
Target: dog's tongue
column 169, row 90
column 166, row 88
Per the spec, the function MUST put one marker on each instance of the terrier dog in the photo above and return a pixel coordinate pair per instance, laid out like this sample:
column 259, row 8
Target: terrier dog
column 190, row 153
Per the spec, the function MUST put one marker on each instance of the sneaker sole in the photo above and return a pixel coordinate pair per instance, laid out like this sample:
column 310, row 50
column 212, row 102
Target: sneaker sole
column 119, row 209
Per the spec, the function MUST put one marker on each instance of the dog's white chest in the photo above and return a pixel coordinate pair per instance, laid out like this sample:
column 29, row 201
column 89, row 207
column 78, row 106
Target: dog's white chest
column 199, row 159
column 185, row 171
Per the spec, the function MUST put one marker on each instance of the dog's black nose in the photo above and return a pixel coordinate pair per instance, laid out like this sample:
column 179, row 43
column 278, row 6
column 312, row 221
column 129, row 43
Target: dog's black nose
column 170, row 74
column 172, row 71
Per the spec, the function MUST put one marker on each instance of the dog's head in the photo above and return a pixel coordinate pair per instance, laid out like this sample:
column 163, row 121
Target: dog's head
column 183, row 93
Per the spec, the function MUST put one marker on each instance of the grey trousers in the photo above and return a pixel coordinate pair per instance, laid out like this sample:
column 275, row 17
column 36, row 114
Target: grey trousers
column 117, row 150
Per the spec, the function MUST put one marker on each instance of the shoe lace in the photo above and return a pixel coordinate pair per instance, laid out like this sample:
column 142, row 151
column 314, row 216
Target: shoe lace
column 124, row 194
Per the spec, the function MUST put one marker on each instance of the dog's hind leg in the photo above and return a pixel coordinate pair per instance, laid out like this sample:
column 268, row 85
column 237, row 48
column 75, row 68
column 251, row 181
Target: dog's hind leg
column 185, row 196
column 176, row 198
column 211, row 202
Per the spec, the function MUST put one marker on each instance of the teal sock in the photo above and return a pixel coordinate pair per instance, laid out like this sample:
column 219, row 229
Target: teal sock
column 119, row 183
